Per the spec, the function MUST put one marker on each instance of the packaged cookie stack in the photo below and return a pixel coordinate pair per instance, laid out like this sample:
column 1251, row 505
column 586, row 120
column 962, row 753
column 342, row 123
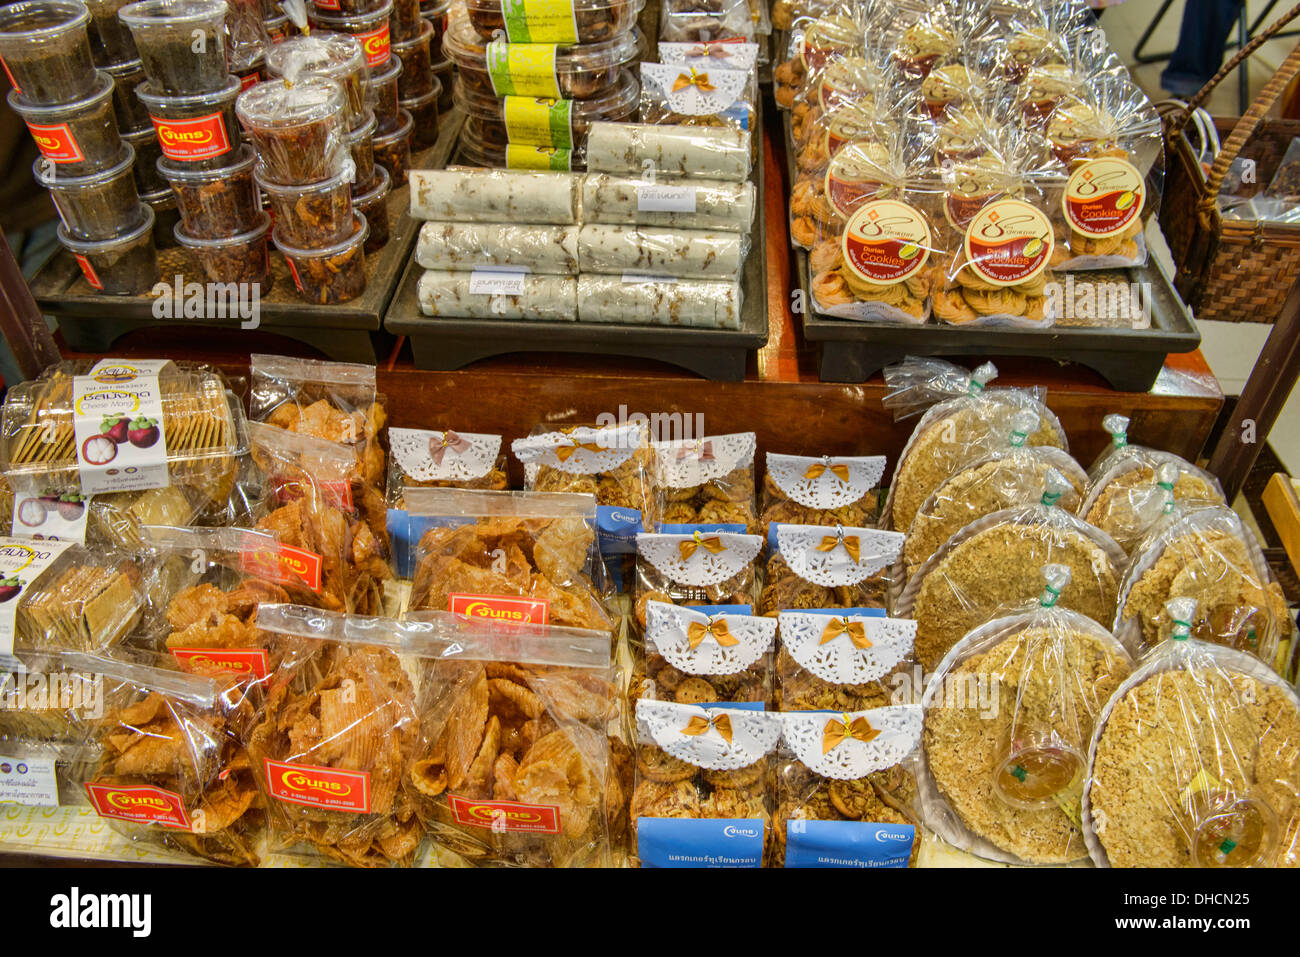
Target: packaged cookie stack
column 419, row 90
column 72, row 114
column 532, row 80
column 299, row 123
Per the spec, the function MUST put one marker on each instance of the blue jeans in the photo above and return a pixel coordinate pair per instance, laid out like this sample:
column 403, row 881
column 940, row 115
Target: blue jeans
column 1201, row 40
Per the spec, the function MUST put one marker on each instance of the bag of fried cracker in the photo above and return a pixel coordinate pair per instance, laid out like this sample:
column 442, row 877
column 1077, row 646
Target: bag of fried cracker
column 819, row 490
column 1017, row 474
column 333, row 741
column 828, row 567
column 813, row 44
column 705, row 655
column 964, row 420
column 138, row 425
column 1207, row 554
column 846, row 788
column 995, row 563
column 330, row 523
column 515, row 765
column 173, row 773
column 336, row 401
column 1009, row 714
column 422, row 458
column 1192, row 762
column 509, row 556
column 703, row 566
column 706, row 481
column 703, row 793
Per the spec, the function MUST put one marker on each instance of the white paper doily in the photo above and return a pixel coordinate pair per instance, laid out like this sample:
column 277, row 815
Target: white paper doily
column 450, row 456
column 686, row 463
column 668, row 631
column 584, row 451
column 839, row 660
column 822, row 555
column 825, row 482
column 715, row 556
column 670, row 725
column 897, row 727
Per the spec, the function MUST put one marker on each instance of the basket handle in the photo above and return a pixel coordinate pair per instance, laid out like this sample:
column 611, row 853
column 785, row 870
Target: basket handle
column 1245, row 127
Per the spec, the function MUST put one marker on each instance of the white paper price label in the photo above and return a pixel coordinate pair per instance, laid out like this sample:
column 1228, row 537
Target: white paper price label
column 653, row 198
column 493, row 283
column 28, row 781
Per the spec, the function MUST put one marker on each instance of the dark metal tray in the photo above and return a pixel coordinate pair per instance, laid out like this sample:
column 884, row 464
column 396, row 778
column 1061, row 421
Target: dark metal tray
column 444, row 343
column 92, row 322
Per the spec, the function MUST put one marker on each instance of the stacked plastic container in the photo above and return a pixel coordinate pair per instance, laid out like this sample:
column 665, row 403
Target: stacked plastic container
column 299, row 124
column 532, row 78
column 70, row 110
column 189, row 93
column 437, row 12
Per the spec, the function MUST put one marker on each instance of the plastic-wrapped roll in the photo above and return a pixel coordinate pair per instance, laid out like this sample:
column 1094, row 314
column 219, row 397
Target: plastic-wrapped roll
column 697, row 151
column 494, row 196
column 551, row 250
column 690, row 204
column 550, row 298
column 705, row 305
column 659, row 251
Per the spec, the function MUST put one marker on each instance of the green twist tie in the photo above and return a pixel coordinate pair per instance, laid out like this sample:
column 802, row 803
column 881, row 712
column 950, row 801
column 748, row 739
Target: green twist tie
column 1051, row 498
column 1049, row 596
column 1228, row 846
column 1019, row 774
column 1182, row 630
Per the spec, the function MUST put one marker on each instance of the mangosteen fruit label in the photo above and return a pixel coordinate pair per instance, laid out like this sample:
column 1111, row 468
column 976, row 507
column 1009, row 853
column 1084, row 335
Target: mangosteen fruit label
column 21, row 564
column 118, row 424
column 50, row 514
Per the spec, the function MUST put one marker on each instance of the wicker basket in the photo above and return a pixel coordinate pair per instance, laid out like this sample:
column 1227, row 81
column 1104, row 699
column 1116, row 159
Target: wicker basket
column 1235, row 270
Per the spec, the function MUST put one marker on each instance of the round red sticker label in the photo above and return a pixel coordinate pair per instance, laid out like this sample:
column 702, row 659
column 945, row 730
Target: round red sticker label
column 1103, row 197
column 853, row 178
column 886, row 242
column 1009, row 242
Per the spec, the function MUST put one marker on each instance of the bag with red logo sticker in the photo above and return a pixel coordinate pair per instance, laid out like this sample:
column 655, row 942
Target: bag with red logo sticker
column 515, row 764
column 704, row 565
column 333, row 742
column 513, row 557
column 173, row 773
column 331, row 525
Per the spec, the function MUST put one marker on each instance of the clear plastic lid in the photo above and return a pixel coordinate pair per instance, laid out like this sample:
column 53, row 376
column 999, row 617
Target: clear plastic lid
column 336, row 55
column 174, row 14
column 589, row 20
column 617, row 104
column 285, row 104
column 468, row 49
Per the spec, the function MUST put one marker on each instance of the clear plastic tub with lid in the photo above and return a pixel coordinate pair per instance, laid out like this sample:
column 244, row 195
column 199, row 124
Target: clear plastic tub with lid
column 297, row 128
column 416, row 78
column 216, row 203
column 147, row 153
column 92, row 207
column 131, row 113
column 476, row 151
column 426, row 114
column 333, row 274
column 79, row 137
column 373, row 204
column 569, row 21
column 334, row 55
column 198, row 130
column 115, row 45
column 124, row 266
column 46, row 51
column 243, row 258
column 370, row 30
column 181, row 42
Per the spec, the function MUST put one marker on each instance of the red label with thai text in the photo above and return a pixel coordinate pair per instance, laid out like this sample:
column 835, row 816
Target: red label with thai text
column 248, row 662
column 189, row 140
column 376, row 45
column 505, row 815
column 88, row 271
column 57, row 143
column 140, row 804
column 500, row 608
column 327, row 788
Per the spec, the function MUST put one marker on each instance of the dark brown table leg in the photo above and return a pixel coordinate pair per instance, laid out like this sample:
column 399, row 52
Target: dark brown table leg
column 21, row 322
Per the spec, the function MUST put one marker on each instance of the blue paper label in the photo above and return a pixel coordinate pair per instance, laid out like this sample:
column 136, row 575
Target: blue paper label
column 405, row 531
column 742, row 705
column 723, row 609
column 618, row 528
column 843, row 612
column 714, row 528
column 847, row 844
column 684, row 842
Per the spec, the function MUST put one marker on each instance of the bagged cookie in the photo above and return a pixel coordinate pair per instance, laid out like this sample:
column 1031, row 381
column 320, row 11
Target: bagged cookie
column 1009, row 714
column 841, row 661
column 695, row 21
column 846, row 789
column 703, row 785
column 680, row 94
column 708, row 481
column 513, row 766
column 818, row 566
column 700, row 567
column 814, row 44
column 1192, row 762
column 700, row 656
column 819, row 490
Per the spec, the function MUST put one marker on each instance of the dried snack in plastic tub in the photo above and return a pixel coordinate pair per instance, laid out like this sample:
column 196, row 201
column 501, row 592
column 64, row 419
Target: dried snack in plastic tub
column 1016, row 475
column 962, row 418
column 331, row 525
column 297, row 124
column 1192, row 764
column 334, row 740
column 1130, row 498
column 994, row 563
column 1210, row 556
column 325, row 400
column 702, row 763
column 820, row 490
column 842, row 660
column 703, row 655
column 173, row 772
column 706, row 481
column 515, row 556
column 846, row 789
column 821, row 566
column 422, row 458
column 1005, row 756
column 702, row 566
column 514, row 765
column 614, row 463
column 189, row 423
column 571, row 21
column 676, row 94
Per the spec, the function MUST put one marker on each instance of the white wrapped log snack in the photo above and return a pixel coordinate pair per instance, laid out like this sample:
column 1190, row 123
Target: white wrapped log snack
column 550, row 250
column 660, row 251
column 685, row 204
column 447, row 294
column 494, row 196
column 701, row 305
column 697, row 151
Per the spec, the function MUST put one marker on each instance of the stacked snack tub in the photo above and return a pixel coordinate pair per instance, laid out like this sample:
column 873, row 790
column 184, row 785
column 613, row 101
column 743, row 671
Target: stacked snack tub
column 74, row 116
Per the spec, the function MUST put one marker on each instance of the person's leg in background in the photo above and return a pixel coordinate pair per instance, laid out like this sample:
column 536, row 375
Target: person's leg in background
column 1202, row 38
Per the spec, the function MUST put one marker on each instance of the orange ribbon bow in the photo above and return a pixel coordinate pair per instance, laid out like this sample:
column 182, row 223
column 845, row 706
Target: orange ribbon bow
column 703, row 451
column 852, row 544
column 818, row 469
column 717, row 629
column 698, row 80
column 692, row 545
column 450, row 442
column 563, row 452
column 856, row 631
column 720, row 723
column 837, row 732
column 709, row 49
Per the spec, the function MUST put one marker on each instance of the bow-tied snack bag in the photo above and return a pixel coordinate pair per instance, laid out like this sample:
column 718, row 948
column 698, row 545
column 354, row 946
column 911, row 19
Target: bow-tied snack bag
column 700, row 656
column 706, row 481
column 846, row 788
column 829, row 567
column 703, row 793
column 1009, row 714
column 700, row 567
column 819, row 490
column 679, row 94
column 842, row 662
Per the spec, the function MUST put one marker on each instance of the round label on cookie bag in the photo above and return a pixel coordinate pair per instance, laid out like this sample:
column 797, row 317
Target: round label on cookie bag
column 1103, row 197
column 1009, row 242
column 852, row 178
column 885, row 242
